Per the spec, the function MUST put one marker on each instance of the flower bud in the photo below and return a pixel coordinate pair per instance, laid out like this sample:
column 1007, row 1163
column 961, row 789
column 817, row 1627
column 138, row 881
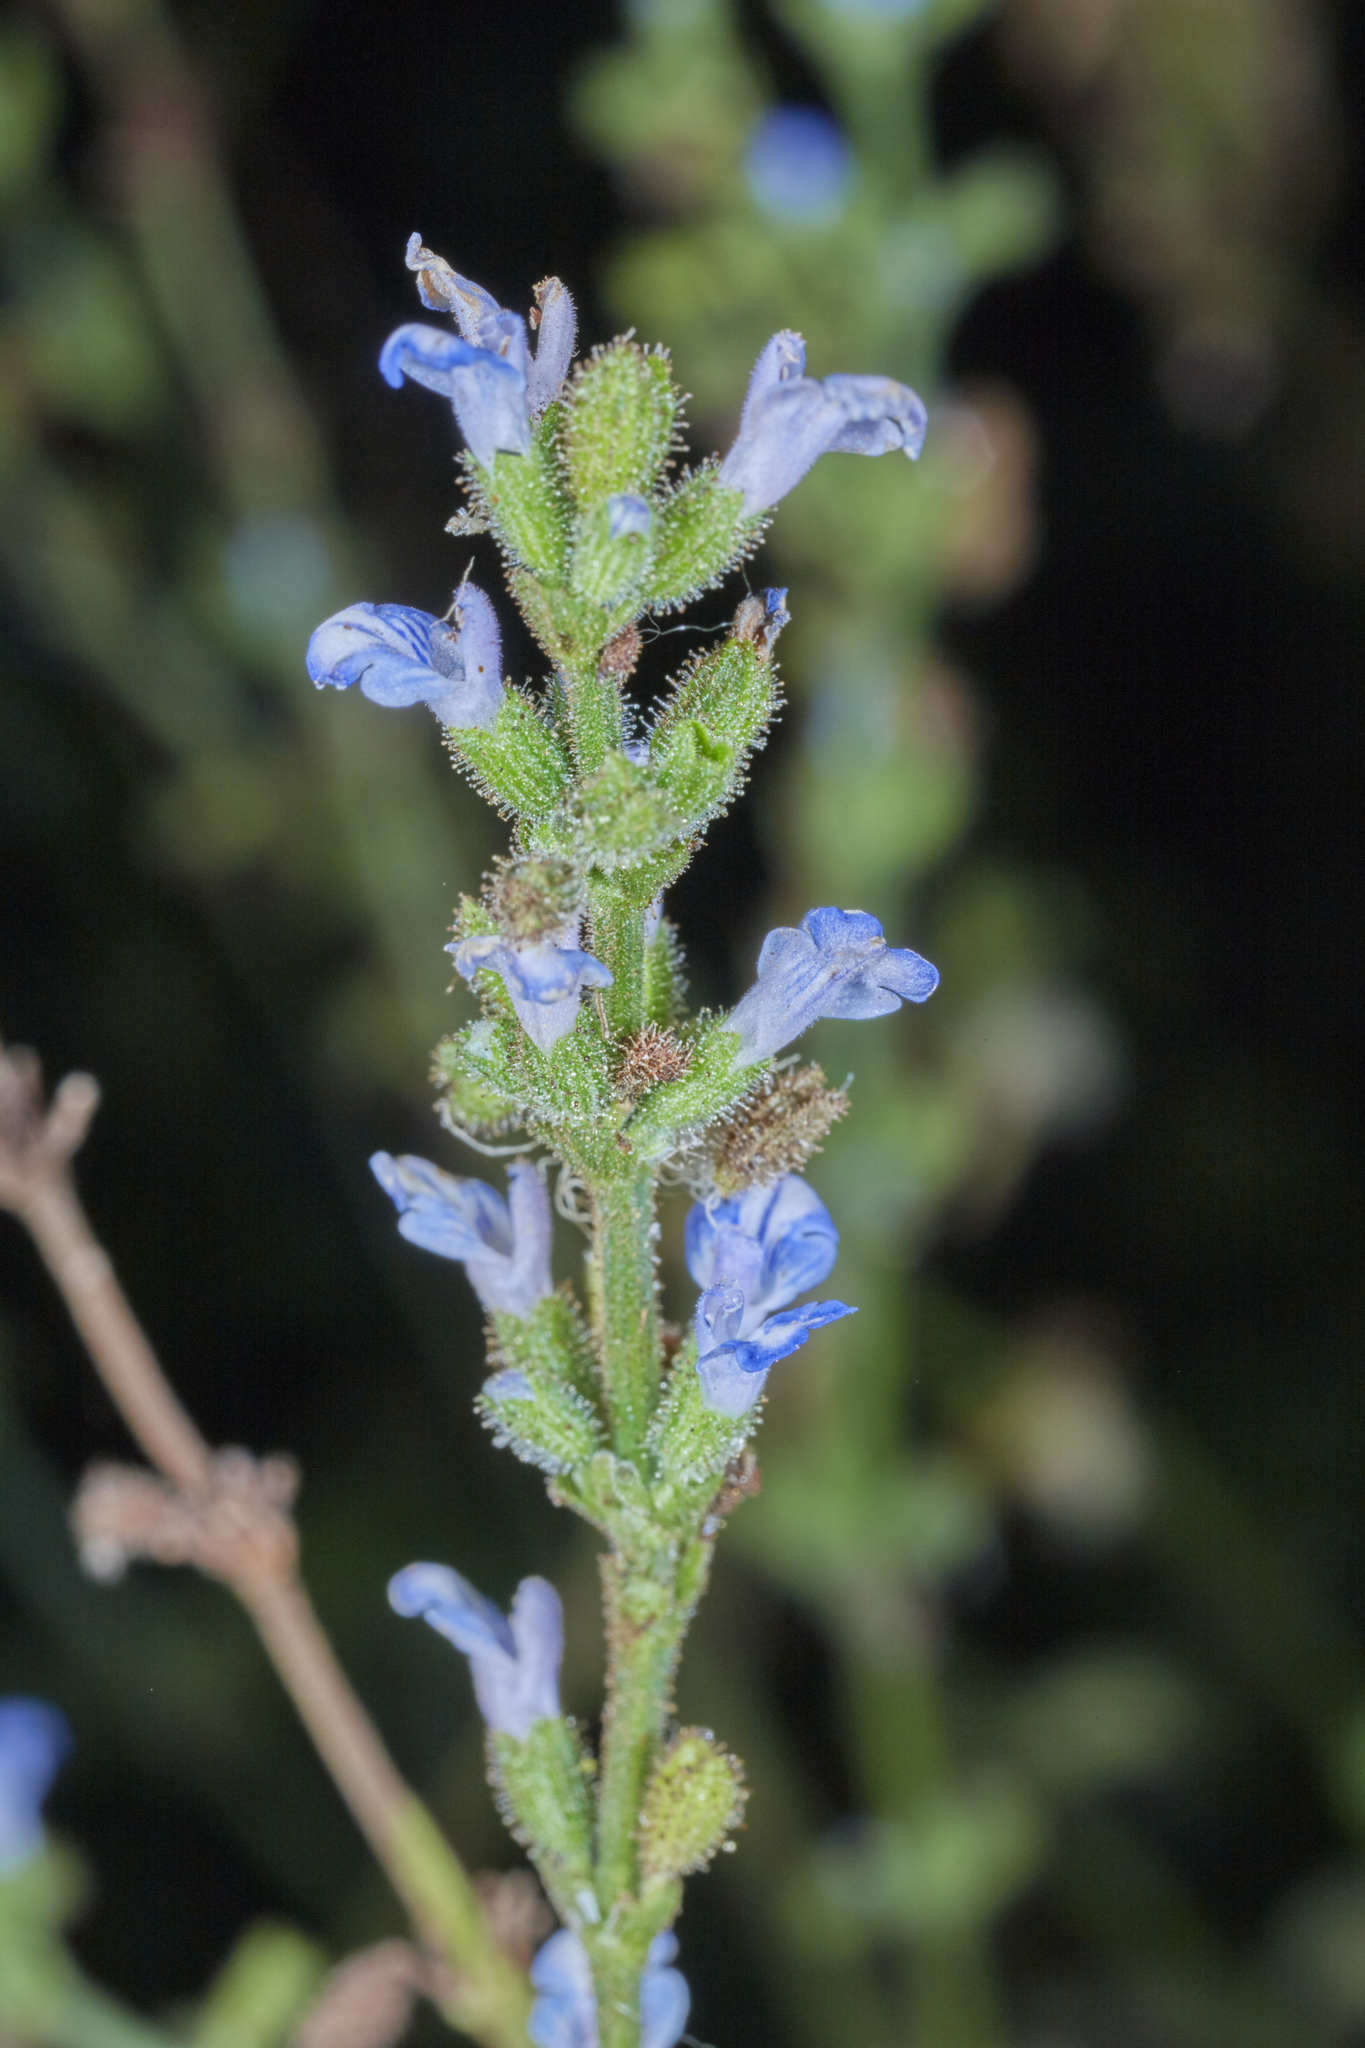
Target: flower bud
column 694, row 1800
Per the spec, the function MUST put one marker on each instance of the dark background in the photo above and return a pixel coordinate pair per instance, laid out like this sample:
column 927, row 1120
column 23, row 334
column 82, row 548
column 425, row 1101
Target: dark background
column 1174, row 716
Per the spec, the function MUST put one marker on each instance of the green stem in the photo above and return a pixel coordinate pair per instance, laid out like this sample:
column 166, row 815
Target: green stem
column 592, row 706
column 647, row 1613
column 625, row 1301
column 618, row 940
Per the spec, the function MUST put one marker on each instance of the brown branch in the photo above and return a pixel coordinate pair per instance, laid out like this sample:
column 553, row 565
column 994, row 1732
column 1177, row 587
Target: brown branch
column 228, row 1513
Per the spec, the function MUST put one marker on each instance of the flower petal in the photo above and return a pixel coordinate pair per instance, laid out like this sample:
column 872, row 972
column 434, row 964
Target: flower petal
column 665, row 2000
column 554, row 344
column 34, row 1739
column 718, row 1316
column 487, row 389
column 782, row 358
column 401, row 656
column 538, row 1631
column 439, row 1596
column 386, row 648
column 445, row 1213
column 912, row 977
column 443, row 290
column 733, row 1376
column 565, row 2011
column 877, row 416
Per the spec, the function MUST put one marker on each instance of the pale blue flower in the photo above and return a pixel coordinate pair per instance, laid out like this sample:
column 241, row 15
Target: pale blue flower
column 504, row 1246
column 34, row 1739
column 798, row 165
column 477, row 314
column 752, row 1255
column 487, row 371
column 401, row 656
column 514, row 1660
column 543, row 977
column 836, row 964
column 790, row 419
column 565, row 2012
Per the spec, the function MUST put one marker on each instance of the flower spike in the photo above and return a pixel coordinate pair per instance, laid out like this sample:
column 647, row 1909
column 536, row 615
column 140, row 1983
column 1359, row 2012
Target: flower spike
column 402, row 656
column 789, row 420
column 835, row 964
column 504, row 1246
column 514, row 1660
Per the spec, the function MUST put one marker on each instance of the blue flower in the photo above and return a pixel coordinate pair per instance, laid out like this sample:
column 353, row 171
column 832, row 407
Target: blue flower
column 400, row 656
column 565, row 2012
column 504, row 1245
column 798, row 165
column 752, row 1256
column 487, row 371
column 836, row 964
column 543, row 977
column 790, row 419
column 514, row 1661
column 34, row 1738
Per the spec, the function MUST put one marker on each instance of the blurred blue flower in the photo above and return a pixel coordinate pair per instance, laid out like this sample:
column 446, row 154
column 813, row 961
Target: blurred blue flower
column 503, row 1245
column 514, row 1660
column 565, row 2012
column 798, row 165
column 789, row 420
column 543, row 977
column 880, row 10
column 487, row 371
column 836, row 964
column 401, row 656
column 752, row 1255
column 34, row 1739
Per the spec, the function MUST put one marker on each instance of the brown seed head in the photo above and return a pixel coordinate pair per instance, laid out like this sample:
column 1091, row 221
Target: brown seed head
column 532, row 898
column 619, row 656
column 776, row 1130
column 650, row 1057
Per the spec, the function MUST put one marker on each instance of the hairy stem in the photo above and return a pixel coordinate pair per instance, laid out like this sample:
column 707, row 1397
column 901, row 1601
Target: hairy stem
column 592, row 705
column 626, row 1301
column 619, row 943
column 647, row 1614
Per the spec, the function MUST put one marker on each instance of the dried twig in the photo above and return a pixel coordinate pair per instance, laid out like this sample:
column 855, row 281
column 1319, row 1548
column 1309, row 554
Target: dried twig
column 228, row 1514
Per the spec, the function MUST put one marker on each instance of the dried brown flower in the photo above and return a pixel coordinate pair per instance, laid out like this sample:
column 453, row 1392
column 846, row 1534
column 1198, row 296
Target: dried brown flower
column 776, row 1129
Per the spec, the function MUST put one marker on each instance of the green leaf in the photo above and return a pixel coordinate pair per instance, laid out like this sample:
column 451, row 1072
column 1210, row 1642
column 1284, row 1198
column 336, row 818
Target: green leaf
column 524, row 500
column 520, row 764
column 701, row 531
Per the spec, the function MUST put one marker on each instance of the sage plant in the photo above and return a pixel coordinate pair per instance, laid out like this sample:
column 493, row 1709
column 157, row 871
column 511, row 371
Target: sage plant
column 586, row 1064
